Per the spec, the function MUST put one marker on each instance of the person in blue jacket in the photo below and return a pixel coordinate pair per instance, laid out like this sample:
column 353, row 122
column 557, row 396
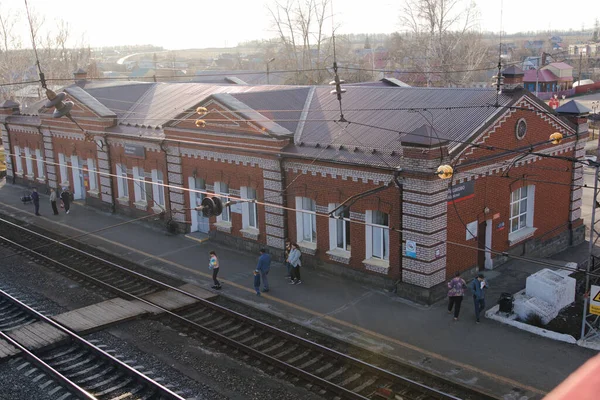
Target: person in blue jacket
column 257, row 282
column 36, row 201
column 478, row 286
column 263, row 267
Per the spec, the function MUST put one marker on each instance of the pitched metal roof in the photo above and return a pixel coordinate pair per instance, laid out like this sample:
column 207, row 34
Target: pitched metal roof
column 118, row 96
column 542, row 75
column 90, row 102
column 573, row 107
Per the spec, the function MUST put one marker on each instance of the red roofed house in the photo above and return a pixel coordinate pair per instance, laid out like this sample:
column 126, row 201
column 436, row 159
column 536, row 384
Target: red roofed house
column 284, row 155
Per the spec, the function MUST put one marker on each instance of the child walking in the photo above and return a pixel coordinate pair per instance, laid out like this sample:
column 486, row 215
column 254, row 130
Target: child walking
column 257, row 282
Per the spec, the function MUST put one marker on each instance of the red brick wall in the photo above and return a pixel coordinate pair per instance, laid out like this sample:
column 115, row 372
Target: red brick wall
column 33, row 141
column 325, row 190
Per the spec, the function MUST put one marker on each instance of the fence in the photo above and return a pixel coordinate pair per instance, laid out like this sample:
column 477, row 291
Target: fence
column 592, row 87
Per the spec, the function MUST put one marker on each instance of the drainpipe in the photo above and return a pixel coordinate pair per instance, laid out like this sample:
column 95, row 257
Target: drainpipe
column 284, row 197
column 400, row 229
column 113, row 206
column 9, row 151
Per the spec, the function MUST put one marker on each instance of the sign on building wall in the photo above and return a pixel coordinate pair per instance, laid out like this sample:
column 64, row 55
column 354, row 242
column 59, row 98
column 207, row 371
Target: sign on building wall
column 461, row 192
column 135, row 150
column 595, row 300
column 411, row 248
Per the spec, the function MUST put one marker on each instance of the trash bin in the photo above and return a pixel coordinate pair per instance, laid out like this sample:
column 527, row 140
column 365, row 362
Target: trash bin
column 505, row 303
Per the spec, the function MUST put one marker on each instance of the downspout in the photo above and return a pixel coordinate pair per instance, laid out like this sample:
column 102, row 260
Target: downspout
column 400, row 228
column 113, row 205
column 283, row 198
column 570, row 226
column 9, row 151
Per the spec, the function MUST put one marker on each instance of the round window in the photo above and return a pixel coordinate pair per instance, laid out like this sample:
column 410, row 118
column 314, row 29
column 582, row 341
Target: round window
column 521, row 128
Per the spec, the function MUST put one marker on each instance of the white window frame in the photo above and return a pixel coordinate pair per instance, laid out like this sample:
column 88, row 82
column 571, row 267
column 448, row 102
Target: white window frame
column 306, row 214
column 249, row 210
column 372, row 231
column 139, row 188
column 92, row 174
column 223, row 189
column 40, row 163
column 62, row 163
column 18, row 160
column 158, row 190
column 122, row 185
column 523, row 215
column 334, row 225
column 29, row 162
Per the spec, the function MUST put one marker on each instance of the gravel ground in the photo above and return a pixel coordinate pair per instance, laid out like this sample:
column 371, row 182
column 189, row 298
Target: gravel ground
column 182, row 363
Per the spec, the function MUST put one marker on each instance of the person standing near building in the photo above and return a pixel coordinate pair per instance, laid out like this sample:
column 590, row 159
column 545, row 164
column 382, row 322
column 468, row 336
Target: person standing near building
column 65, row 196
column 257, row 282
column 478, row 287
column 35, row 197
column 263, row 267
column 286, row 254
column 295, row 263
column 456, row 291
column 213, row 264
column 53, row 198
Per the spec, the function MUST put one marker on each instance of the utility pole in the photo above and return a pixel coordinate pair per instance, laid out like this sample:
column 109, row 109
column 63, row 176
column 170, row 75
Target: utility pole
column 580, row 59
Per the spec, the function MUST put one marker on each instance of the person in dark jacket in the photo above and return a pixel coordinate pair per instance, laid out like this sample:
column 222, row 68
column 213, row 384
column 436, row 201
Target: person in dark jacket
column 478, row 287
column 65, row 196
column 35, row 197
column 263, row 267
column 257, row 282
column 53, row 201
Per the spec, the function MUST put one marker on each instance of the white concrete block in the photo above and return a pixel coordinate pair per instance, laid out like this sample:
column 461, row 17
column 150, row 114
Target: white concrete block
column 552, row 288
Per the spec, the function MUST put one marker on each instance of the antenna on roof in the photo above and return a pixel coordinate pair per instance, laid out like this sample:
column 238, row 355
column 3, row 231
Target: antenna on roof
column 61, row 108
column 336, row 78
column 499, row 78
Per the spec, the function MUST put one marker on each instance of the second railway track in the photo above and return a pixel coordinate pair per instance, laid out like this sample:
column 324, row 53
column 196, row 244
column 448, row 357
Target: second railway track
column 325, row 371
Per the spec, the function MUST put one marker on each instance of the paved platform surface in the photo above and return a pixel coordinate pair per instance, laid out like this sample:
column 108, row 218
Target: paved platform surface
column 505, row 361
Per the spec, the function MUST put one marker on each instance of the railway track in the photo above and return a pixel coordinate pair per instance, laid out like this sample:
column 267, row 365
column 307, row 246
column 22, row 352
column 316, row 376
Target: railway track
column 320, row 369
column 75, row 368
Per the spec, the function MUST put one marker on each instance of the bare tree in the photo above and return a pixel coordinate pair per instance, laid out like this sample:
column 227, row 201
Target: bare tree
column 300, row 27
column 444, row 38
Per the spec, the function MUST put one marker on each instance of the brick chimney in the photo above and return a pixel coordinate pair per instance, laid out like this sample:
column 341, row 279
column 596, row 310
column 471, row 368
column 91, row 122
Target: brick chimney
column 9, row 107
column 576, row 113
column 80, row 76
column 513, row 78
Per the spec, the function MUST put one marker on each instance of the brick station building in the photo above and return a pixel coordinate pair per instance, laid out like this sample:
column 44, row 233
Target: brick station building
column 281, row 145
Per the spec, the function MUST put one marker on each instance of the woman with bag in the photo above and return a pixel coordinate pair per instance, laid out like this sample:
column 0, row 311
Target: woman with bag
column 456, row 292
column 213, row 264
column 294, row 261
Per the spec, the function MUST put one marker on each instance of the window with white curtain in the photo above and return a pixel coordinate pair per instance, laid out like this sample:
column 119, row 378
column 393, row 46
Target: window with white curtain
column 339, row 228
column 29, row 161
column 249, row 210
column 158, row 190
column 62, row 163
column 18, row 160
column 223, row 189
column 378, row 235
column 122, row 184
column 93, row 175
column 40, row 163
column 139, row 184
column 306, row 220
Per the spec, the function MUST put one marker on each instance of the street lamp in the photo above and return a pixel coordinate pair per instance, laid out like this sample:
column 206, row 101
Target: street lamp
column 269, row 62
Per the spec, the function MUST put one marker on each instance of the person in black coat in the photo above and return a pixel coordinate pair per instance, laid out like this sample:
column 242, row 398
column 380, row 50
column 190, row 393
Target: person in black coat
column 65, row 196
column 35, row 197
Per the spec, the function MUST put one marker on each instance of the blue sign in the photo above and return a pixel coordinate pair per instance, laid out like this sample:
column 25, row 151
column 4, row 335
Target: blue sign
column 411, row 249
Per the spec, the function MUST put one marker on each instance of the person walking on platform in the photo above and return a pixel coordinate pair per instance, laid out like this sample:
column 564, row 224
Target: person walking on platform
column 65, row 196
column 263, row 267
column 53, row 201
column 213, row 264
column 456, row 291
column 35, row 197
column 257, row 282
column 295, row 262
column 478, row 287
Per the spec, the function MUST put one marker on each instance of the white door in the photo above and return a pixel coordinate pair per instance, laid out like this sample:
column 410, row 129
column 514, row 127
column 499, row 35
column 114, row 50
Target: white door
column 199, row 222
column 489, row 263
column 78, row 184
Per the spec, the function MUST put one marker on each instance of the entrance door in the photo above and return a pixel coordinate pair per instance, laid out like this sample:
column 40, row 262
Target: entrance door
column 199, row 222
column 78, row 178
column 481, row 234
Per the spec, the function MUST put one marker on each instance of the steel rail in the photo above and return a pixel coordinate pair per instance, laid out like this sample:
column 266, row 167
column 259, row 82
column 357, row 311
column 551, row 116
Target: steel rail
column 287, row 335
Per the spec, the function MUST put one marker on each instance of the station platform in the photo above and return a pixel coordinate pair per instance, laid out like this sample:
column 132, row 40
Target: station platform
column 499, row 359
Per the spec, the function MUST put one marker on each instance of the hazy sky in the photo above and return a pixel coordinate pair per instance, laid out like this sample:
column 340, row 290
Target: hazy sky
column 179, row 24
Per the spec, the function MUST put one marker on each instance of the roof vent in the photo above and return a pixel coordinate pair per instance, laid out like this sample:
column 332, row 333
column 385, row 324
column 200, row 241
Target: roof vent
column 317, row 146
column 373, row 151
column 393, row 153
column 356, row 149
column 341, row 147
